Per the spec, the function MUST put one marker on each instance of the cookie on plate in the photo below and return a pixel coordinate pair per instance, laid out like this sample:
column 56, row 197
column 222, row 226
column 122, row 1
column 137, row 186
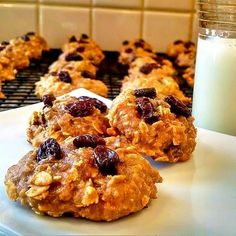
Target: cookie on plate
column 157, row 127
column 83, row 176
column 130, row 50
column 82, row 48
column 67, row 116
column 65, row 81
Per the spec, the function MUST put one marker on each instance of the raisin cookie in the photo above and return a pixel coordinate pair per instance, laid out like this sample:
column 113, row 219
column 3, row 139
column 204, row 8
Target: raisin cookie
column 157, row 127
column 67, row 116
column 7, row 71
column 65, row 81
column 130, row 50
column 83, row 48
column 83, row 176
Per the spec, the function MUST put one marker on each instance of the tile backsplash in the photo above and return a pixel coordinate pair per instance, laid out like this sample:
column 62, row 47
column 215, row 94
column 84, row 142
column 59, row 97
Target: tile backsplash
column 109, row 22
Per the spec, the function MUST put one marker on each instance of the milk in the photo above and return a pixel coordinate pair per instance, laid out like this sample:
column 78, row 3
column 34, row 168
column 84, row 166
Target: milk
column 214, row 99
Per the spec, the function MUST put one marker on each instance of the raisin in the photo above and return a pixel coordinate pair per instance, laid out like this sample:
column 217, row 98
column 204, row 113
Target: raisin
column 88, row 74
column 72, row 39
column 138, row 44
column 80, row 49
column 125, row 42
column 148, row 50
column 64, row 76
column 96, row 103
column 146, row 110
column 141, row 40
column 30, row 33
column 48, row 100
column 25, row 38
column 2, row 47
column 177, row 107
column 159, row 60
column 188, row 44
column 80, row 108
column 5, row 43
column 73, row 57
column 83, row 41
column 128, row 50
column 148, row 67
column 106, row 160
column 145, row 92
column 84, row 36
column 50, row 148
column 88, row 140
column 178, row 42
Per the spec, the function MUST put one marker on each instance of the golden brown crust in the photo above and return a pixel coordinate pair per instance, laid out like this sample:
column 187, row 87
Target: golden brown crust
column 56, row 123
column 171, row 138
column 75, row 185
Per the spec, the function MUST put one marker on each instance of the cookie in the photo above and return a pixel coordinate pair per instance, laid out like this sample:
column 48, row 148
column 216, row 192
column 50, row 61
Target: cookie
column 7, row 71
column 157, row 127
column 65, row 81
column 1, row 93
column 67, row 116
column 130, row 50
column 164, row 85
column 188, row 76
column 84, row 177
column 82, row 49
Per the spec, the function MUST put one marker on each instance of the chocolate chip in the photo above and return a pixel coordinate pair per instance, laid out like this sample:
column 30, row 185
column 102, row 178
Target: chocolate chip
column 145, row 92
column 50, row 148
column 88, row 140
column 106, row 160
column 126, row 42
column 73, row 57
column 80, row 49
column 148, row 67
column 72, row 39
column 87, row 74
column 177, row 107
column 64, row 76
column 128, row 50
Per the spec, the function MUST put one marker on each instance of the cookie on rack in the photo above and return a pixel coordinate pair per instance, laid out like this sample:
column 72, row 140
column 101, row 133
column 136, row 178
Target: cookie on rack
column 84, row 176
column 164, row 85
column 83, row 48
column 65, row 81
column 147, row 66
column 1, row 93
column 67, row 116
column 130, row 50
column 157, row 127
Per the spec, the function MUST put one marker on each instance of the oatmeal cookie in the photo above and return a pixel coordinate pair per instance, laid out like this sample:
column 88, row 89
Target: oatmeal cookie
column 84, row 67
column 67, row 116
column 157, row 127
column 188, row 76
column 7, row 71
column 164, row 85
column 180, row 46
column 1, row 93
column 65, row 81
column 83, row 48
column 147, row 66
column 130, row 50
column 83, row 176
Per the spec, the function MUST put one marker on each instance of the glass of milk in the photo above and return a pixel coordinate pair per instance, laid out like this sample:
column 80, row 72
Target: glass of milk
column 214, row 96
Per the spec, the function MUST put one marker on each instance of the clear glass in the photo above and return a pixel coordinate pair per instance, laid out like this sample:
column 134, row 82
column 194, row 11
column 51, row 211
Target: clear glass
column 214, row 97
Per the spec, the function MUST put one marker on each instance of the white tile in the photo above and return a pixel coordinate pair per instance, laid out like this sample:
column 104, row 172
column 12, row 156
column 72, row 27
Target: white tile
column 111, row 27
column 170, row 4
column 195, row 28
column 162, row 28
column 118, row 3
column 58, row 23
column 16, row 19
column 79, row 2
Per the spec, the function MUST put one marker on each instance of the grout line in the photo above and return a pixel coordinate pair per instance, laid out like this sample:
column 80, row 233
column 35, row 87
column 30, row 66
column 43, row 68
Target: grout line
column 37, row 17
column 190, row 35
column 91, row 19
column 142, row 20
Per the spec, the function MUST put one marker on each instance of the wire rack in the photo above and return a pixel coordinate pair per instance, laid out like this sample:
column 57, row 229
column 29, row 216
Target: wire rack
column 20, row 92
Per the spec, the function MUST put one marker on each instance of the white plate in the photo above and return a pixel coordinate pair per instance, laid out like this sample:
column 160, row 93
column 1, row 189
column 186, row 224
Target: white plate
column 197, row 197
